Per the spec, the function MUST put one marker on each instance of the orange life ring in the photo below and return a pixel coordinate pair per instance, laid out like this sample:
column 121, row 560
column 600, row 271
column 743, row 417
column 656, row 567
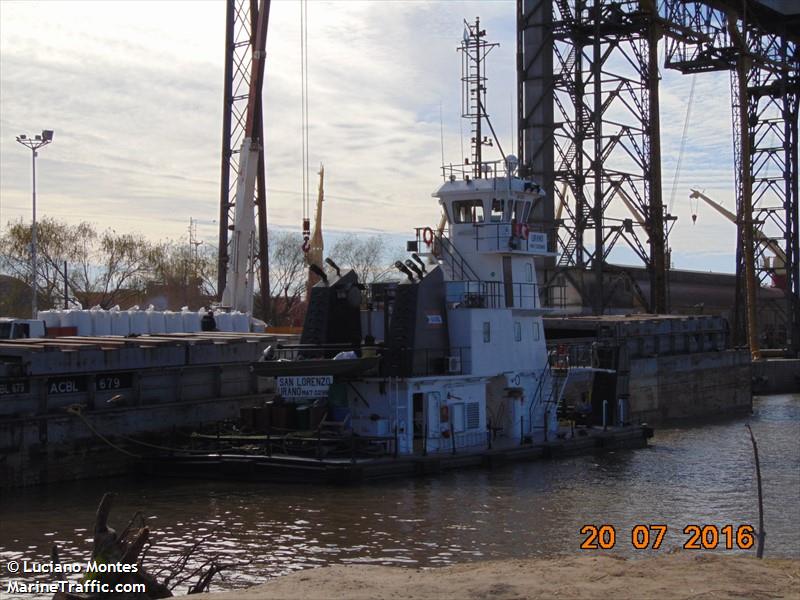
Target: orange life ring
column 524, row 230
column 427, row 236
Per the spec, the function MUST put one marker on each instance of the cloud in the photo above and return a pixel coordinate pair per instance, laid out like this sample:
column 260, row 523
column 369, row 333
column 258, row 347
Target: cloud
column 134, row 93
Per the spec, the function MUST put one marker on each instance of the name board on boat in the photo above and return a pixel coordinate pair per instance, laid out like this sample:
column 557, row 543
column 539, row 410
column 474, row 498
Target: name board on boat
column 14, row 386
column 113, row 381
column 304, row 386
column 537, row 242
column 434, row 319
column 66, row 385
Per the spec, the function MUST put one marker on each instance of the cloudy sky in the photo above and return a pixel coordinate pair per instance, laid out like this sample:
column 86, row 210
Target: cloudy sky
column 133, row 91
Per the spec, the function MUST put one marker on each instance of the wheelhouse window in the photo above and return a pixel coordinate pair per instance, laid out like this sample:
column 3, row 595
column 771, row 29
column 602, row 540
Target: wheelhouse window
column 521, row 209
column 467, row 211
column 487, row 332
column 536, row 331
column 498, row 206
column 517, row 331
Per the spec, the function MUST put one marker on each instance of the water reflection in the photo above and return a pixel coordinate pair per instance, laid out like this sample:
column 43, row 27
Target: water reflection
column 688, row 475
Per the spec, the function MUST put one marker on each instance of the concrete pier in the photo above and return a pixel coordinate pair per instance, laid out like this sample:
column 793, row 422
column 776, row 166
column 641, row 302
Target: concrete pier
column 776, row 376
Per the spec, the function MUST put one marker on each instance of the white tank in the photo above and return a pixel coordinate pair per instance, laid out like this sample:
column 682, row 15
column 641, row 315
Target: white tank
column 241, row 322
column 191, row 320
column 173, row 321
column 155, row 321
column 224, row 321
column 139, row 322
column 101, row 321
column 83, row 322
column 51, row 318
column 120, row 322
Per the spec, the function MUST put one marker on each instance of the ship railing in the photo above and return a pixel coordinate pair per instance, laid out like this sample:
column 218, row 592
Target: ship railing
column 564, row 355
column 440, row 246
column 465, row 170
column 492, row 294
column 395, row 361
column 425, row 362
column 314, row 443
column 291, row 352
column 539, row 399
column 509, row 237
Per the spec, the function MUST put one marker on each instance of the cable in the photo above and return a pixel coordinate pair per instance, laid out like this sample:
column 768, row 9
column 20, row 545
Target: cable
column 683, row 146
column 306, row 225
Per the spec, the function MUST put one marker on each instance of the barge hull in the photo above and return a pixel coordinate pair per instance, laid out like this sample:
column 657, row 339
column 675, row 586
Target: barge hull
column 294, row 469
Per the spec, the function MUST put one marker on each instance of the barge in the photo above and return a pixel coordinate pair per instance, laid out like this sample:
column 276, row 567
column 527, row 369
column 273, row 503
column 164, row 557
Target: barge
column 67, row 403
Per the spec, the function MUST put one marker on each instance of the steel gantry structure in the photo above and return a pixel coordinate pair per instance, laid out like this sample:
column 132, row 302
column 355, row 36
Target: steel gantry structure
column 588, row 109
column 241, row 45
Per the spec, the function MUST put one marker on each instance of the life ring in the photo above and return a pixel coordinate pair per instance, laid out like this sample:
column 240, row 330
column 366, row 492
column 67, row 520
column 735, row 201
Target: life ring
column 522, row 231
column 427, row 236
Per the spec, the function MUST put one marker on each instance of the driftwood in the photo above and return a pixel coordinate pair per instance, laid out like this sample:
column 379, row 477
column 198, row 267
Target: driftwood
column 761, row 533
column 129, row 548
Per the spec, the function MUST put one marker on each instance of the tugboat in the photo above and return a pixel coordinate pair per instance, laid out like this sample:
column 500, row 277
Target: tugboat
column 448, row 366
column 460, row 341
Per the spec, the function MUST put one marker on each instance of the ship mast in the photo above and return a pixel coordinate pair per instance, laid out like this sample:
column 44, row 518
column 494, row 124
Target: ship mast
column 316, row 246
column 474, row 49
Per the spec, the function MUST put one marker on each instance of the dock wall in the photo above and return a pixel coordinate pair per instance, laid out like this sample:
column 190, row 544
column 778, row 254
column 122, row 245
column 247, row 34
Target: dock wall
column 667, row 367
column 690, row 386
column 776, row 376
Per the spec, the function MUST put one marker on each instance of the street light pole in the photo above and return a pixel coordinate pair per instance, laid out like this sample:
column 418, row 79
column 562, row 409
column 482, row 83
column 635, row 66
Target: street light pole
column 34, row 143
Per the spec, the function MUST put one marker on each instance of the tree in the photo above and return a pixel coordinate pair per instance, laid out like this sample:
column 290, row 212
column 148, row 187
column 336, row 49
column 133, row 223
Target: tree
column 56, row 242
column 368, row 257
column 287, row 276
column 111, row 268
column 186, row 272
column 106, row 268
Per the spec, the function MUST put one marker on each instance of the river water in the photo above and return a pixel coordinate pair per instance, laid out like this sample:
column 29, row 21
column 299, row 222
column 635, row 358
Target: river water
column 689, row 475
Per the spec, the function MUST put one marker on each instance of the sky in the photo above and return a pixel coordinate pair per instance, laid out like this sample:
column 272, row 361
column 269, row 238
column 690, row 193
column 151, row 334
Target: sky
column 133, row 91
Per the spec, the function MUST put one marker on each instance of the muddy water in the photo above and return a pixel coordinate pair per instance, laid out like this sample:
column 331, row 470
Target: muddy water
column 699, row 475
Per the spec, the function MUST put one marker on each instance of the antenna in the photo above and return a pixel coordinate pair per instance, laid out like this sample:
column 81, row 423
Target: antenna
column 441, row 135
column 474, row 50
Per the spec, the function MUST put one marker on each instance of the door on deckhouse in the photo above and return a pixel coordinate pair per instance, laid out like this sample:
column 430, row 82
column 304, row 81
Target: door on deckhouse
column 508, row 282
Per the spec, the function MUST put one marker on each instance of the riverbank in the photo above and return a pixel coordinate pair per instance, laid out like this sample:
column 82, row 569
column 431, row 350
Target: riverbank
column 681, row 574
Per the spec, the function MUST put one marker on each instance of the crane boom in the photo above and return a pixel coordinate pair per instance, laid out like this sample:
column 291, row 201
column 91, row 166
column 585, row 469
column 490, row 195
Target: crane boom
column 773, row 246
column 239, row 280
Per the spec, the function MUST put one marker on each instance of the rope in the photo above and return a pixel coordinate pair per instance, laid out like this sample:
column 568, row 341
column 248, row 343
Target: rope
column 76, row 411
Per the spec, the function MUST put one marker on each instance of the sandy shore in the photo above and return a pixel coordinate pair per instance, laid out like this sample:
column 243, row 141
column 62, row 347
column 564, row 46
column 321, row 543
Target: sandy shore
column 677, row 575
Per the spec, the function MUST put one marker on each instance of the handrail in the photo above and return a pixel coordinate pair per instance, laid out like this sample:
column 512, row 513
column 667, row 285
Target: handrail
column 537, row 395
column 447, row 246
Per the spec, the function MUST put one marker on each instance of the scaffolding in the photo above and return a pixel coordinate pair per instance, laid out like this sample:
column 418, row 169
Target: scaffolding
column 589, row 131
